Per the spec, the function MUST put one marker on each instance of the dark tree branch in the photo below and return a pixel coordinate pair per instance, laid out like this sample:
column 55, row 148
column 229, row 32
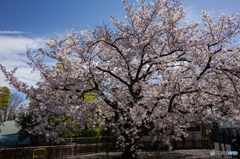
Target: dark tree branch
column 115, row 76
column 208, row 64
column 175, row 95
column 117, row 49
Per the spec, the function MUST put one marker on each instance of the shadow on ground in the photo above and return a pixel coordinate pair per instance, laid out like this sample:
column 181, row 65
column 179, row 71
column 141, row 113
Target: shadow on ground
column 178, row 154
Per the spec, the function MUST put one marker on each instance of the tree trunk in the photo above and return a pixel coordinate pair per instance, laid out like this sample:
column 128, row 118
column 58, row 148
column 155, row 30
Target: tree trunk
column 127, row 154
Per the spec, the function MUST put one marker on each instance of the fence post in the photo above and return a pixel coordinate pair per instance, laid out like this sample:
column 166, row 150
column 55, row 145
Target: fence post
column 72, row 148
column 213, row 138
column 229, row 137
column 16, row 153
column 97, row 146
column 223, row 134
column 237, row 135
column 238, row 141
column 75, row 149
column 60, row 153
column 219, row 143
column 114, row 141
column 49, row 152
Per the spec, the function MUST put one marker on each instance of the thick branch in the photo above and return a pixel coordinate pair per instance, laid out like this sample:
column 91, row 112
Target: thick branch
column 175, row 95
column 117, row 49
column 112, row 74
column 208, row 64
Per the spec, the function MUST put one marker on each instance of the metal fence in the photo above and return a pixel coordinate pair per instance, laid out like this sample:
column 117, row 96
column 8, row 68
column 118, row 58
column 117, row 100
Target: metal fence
column 89, row 145
column 225, row 134
column 72, row 147
column 224, row 137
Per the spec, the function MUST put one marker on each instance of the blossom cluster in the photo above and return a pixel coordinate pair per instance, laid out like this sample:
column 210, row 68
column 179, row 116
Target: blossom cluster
column 173, row 75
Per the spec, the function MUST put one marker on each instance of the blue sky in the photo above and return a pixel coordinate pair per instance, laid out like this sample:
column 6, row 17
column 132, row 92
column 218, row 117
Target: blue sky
column 31, row 22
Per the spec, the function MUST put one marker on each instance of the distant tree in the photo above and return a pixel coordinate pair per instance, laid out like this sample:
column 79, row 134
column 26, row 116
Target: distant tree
column 4, row 97
column 10, row 111
column 4, row 100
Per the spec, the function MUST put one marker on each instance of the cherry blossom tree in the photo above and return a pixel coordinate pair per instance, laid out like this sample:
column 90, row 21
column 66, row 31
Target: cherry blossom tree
column 151, row 75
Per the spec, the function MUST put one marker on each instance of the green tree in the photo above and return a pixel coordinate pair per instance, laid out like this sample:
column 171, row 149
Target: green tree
column 4, row 99
column 16, row 100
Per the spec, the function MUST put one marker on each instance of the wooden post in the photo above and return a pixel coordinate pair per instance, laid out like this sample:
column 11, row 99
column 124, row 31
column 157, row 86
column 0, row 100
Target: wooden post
column 72, row 146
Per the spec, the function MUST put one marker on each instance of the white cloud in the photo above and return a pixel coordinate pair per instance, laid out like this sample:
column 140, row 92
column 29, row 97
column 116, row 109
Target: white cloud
column 192, row 16
column 11, row 32
column 12, row 54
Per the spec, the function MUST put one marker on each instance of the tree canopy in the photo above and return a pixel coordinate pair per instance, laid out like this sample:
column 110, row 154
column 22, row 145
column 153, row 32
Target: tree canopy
column 166, row 68
column 4, row 97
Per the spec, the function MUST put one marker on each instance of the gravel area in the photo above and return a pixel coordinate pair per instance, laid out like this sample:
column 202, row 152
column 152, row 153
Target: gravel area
column 176, row 154
column 193, row 154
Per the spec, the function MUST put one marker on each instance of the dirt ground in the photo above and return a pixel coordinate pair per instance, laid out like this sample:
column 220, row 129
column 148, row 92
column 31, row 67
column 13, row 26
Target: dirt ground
column 176, row 154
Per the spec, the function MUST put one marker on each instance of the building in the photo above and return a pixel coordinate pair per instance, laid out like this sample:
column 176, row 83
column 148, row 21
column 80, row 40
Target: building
column 9, row 135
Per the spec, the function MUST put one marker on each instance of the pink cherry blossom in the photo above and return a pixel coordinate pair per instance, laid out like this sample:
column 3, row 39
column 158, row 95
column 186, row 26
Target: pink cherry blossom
column 172, row 75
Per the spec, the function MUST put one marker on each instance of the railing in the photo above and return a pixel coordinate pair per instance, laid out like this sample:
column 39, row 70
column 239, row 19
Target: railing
column 89, row 145
column 73, row 147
